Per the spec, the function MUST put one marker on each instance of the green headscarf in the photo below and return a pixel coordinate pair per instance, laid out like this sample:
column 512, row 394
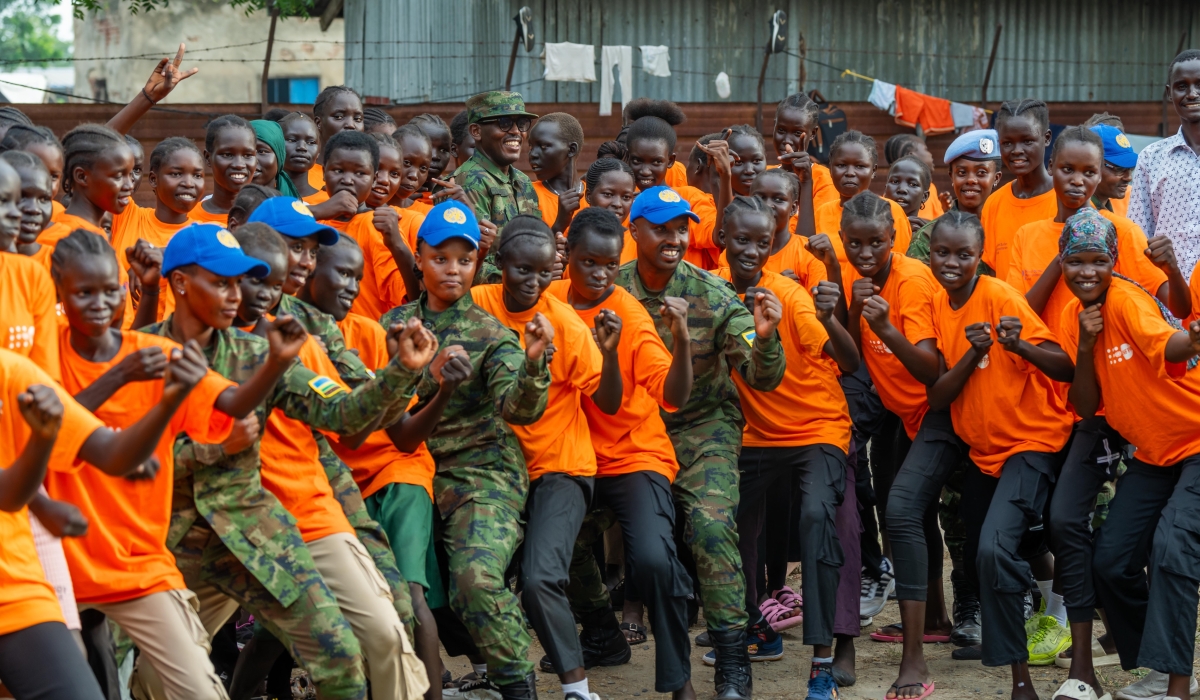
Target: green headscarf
column 271, row 134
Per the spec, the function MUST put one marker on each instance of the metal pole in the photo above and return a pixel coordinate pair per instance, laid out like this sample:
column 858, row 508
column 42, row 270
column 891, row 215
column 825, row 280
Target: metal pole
column 762, row 76
column 803, row 69
column 1162, row 127
column 270, row 47
column 512, row 59
column 987, row 76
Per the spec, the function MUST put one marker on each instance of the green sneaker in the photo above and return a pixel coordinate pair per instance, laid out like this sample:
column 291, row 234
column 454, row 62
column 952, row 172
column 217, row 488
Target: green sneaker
column 1046, row 643
column 1034, row 621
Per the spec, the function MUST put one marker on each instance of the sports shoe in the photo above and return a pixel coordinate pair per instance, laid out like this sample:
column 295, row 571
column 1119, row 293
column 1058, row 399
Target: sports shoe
column 967, row 631
column 524, row 689
column 874, row 592
column 757, row 647
column 1033, row 616
column 579, row 696
column 1048, row 641
column 821, row 684
column 1152, row 687
column 472, row 686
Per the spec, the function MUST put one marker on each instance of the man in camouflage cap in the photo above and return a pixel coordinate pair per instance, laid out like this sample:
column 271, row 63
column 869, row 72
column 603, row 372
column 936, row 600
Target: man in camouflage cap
column 495, row 189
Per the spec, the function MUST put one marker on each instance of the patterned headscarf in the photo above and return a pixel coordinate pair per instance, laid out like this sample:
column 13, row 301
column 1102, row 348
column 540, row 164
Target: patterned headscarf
column 271, row 134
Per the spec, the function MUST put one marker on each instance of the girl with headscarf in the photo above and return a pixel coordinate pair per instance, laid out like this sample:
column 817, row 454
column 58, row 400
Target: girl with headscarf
column 272, row 152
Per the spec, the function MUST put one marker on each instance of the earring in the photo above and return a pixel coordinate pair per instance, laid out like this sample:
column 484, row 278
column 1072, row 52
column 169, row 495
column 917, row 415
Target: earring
column 180, row 292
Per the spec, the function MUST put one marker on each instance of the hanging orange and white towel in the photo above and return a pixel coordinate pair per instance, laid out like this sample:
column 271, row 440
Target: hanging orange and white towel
column 931, row 113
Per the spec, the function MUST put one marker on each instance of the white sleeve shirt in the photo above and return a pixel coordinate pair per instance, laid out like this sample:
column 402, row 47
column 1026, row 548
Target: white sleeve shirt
column 1165, row 197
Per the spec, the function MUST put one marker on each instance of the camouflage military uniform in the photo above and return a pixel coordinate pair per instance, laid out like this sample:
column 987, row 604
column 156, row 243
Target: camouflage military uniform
column 320, row 324
column 230, row 534
column 707, row 432
column 481, row 480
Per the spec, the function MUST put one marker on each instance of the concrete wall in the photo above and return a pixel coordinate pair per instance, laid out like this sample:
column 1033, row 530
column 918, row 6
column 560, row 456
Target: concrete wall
column 225, row 43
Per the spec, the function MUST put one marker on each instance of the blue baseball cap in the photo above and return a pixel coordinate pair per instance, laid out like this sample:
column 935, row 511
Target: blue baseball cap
column 980, row 144
column 659, row 205
column 213, row 248
column 291, row 217
column 450, row 219
column 1117, row 149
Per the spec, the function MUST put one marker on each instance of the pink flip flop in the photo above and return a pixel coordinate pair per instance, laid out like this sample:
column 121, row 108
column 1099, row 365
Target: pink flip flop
column 926, row 690
column 789, row 598
column 879, row 636
column 777, row 613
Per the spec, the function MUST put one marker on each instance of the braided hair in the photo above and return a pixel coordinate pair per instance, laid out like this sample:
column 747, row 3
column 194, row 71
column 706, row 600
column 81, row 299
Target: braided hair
column 167, row 148
column 596, row 221
column 1077, row 134
column 374, row 116
column 899, row 145
column 427, row 119
column 602, row 165
column 246, row 201
column 79, row 244
column 801, row 103
column 21, row 159
column 458, row 128
column 21, row 135
column 411, row 130
column 959, row 219
column 743, row 204
column 276, row 114
column 651, row 128
column 323, row 99
column 855, row 136
column 697, row 154
column 747, row 130
column 352, row 141
column 789, row 178
column 83, row 146
column 868, row 206
column 1106, row 119
column 1034, row 109
column 11, row 116
column 227, row 121
column 524, row 227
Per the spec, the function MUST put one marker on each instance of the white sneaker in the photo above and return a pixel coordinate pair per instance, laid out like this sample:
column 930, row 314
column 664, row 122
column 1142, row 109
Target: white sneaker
column 873, row 593
column 1152, row 687
column 579, row 696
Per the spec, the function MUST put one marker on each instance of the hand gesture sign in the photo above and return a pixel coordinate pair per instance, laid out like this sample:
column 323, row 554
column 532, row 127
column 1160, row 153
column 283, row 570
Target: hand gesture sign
column 166, row 76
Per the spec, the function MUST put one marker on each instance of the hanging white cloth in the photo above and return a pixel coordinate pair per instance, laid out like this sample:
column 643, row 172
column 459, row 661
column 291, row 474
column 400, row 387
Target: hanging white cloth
column 575, row 63
column 963, row 115
column 622, row 58
column 722, row 83
column 656, row 61
column 883, row 96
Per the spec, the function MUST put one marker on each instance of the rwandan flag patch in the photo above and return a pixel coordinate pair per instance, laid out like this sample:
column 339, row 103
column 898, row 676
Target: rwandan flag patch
column 325, row 387
column 749, row 337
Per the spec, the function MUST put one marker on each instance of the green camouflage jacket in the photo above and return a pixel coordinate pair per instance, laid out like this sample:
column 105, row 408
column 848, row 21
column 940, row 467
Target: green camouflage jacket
column 322, row 325
column 477, row 454
column 722, row 335
column 494, row 196
column 227, row 491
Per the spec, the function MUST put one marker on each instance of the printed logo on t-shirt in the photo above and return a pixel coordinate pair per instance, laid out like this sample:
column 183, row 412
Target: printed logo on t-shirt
column 1119, row 354
column 987, row 360
column 878, row 346
column 20, row 337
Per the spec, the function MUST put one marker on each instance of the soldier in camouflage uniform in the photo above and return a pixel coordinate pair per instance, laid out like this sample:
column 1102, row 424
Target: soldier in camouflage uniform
column 494, row 188
column 707, row 432
column 481, row 481
column 233, row 541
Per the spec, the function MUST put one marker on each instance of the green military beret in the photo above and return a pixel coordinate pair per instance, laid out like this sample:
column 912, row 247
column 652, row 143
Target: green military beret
column 497, row 103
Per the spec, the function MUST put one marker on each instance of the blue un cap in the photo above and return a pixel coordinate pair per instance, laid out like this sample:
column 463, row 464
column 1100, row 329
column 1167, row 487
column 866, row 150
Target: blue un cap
column 291, row 217
column 1117, row 149
column 450, row 219
column 658, row 205
column 980, row 144
column 213, row 248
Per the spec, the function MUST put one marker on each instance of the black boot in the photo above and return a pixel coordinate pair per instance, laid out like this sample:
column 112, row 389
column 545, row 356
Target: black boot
column 525, row 689
column 732, row 679
column 966, row 630
column 602, row 641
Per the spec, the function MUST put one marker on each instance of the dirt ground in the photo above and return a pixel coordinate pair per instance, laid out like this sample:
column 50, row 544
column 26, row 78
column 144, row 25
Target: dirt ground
column 876, row 667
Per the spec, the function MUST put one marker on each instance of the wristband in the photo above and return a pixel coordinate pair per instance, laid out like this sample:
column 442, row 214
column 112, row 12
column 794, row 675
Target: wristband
column 147, row 96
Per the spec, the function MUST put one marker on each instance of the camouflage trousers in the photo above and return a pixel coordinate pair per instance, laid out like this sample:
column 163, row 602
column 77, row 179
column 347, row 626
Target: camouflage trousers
column 312, row 628
column 480, row 538
column 706, row 502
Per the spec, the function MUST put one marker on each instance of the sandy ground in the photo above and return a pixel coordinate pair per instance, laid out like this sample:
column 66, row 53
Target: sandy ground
column 786, row 678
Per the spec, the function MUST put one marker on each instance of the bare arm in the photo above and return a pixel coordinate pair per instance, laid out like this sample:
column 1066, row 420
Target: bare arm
column 42, row 410
column 841, row 346
column 1084, row 393
column 607, row 396
column 950, row 383
column 162, row 81
column 1047, row 356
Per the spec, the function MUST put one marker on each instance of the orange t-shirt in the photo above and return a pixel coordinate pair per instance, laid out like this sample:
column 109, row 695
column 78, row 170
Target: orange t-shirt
column 141, row 223
column 560, row 441
column 792, row 256
column 829, row 222
column 382, row 288
column 1151, row 402
column 1120, row 207
column 823, row 190
column 28, row 318
column 1008, row 405
column 702, row 244
column 808, row 407
column 635, row 438
column 124, row 554
column 422, row 207
column 1195, row 287
column 316, row 177
column 316, row 197
column 378, row 462
column 199, row 215
column 63, row 226
column 676, row 176
column 56, row 210
column 290, row 466
column 932, row 208
column 909, row 292
column 1003, row 213
column 26, row 599
column 547, row 202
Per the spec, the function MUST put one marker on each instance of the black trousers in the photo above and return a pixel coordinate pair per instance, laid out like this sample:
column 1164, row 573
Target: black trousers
column 912, row 519
column 997, row 514
column 1092, row 458
column 553, row 513
column 874, row 467
column 43, row 662
column 821, row 472
column 1145, row 563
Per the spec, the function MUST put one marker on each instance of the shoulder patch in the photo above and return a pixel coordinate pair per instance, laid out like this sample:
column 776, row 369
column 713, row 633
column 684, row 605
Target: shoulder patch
column 749, row 337
column 325, row 387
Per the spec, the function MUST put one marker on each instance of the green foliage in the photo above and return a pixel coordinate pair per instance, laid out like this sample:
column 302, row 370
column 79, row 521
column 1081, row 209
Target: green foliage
column 29, row 34
column 287, row 8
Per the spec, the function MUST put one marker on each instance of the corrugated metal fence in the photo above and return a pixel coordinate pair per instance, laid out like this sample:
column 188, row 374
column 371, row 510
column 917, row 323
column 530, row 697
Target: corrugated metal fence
column 1057, row 50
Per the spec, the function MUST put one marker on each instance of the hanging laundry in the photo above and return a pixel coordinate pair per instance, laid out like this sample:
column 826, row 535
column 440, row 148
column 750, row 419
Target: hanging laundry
column 932, row 113
column 575, row 63
column 883, row 96
column 656, row 60
column 963, row 115
column 982, row 121
column 722, row 83
column 622, row 58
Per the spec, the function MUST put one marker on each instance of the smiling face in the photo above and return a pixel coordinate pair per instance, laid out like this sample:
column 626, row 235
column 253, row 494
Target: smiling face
column 91, row 293
column 793, row 127
column 527, row 267
column 904, row 187
column 868, row 244
column 502, row 147
column 852, row 169
column 343, row 112
column 334, row 285
column 446, row 270
column 233, row 159
column 973, row 181
column 1076, row 172
column 774, row 190
column 416, row 163
column 751, row 161
column 210, row 298
column 954, row 255
column 33, row 203
column 259, row 296
column 1023, row 144
column 748, row 238
column 179, row 182
column 267, row 166
column 387, row 177
column 650, row 160
column 614, row 191
column 10, row 212
column 1114, row 181
column 594, row 262
column 302, row 146
column 109, row 183
column 441, row 147
column 661, row 245
column 1184, row 85
column 1088, row 275
column 349, row 170
column 52, row 156
column 301, row 261
column 549, row 152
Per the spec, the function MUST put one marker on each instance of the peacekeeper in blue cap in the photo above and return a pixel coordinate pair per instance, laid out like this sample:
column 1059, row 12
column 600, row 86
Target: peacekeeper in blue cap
column 1119, row 161
column 974, row 163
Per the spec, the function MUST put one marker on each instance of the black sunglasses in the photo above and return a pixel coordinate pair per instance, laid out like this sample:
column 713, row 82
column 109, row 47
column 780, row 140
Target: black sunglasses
column 506, row 123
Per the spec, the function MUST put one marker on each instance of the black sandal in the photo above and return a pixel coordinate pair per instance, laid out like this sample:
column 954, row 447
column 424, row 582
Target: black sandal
column 639, row 632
